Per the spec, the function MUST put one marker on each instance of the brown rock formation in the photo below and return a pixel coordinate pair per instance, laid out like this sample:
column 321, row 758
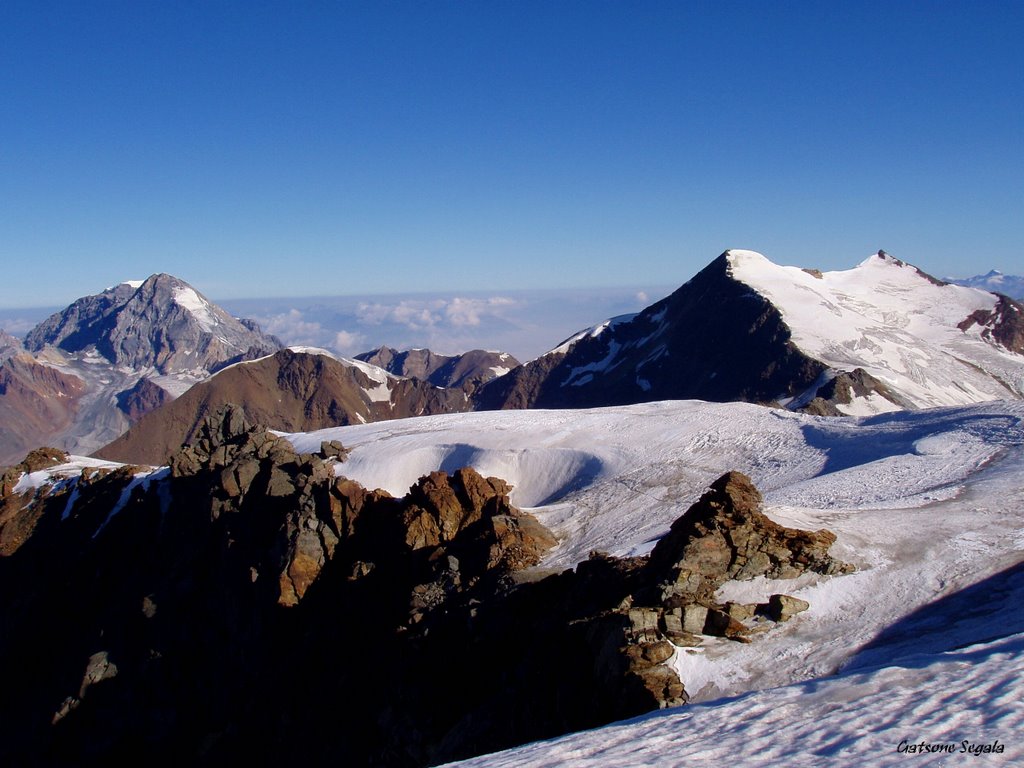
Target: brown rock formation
column 37, row 403
column 289, row 391
column 726, row 536
column 216, row 604
column 141, row 398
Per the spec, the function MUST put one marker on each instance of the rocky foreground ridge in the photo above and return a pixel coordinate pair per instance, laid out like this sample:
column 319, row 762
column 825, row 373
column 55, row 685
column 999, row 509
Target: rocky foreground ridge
column 248, row 602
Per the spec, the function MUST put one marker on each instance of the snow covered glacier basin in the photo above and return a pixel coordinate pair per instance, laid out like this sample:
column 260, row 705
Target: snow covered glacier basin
column 929, row 505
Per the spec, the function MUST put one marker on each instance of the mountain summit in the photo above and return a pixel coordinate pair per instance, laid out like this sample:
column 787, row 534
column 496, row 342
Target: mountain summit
column 162, row 323
column 90, row 370
column 879, row 337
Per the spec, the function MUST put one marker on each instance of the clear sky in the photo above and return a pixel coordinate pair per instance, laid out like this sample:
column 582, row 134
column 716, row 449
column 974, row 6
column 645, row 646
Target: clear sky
column 298, row 148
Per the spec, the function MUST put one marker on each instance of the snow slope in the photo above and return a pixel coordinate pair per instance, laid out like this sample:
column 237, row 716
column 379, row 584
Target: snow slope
column 961, row 702
column 890, row 319
column 927, row 504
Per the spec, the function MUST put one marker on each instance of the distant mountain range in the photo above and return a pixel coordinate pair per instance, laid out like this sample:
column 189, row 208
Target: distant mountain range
column 995, row 281
column 361, row 579
column 87, row 373
column 466, row 371
column 879, row 337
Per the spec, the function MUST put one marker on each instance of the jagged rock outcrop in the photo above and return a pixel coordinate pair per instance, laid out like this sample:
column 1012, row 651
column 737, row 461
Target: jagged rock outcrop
column 465, row 371
column 196, row 614
column 188, row 569
column 725, row 535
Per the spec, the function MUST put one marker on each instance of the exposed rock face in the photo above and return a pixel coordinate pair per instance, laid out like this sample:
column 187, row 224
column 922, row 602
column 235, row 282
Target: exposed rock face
column 141, row 398
column 466, row 371
column 725, row 535
column 37, row 404
column 289, row 391
column 713, row 339
column 844, row 387
column 1004, row 324
column 9, row 345
column 196, row 615
column 18, row 521
column 164, row 323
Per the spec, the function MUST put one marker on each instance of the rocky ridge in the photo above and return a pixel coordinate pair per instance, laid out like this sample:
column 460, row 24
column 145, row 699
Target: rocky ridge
column 196, row 613
column 291, row 391
column 466, row 371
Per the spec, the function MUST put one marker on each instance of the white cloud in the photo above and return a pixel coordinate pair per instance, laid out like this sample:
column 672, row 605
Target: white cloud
column 523, row 324
column 426, row 314
column 348, row 343
column 462, row 312
column 292, row 328
column 414, row 314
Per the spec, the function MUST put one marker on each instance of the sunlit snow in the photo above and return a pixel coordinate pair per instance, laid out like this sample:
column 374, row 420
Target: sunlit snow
column 886, row 317
column 926, row 504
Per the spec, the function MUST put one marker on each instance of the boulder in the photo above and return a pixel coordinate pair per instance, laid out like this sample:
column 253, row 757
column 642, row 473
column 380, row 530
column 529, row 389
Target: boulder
column 783, row 607
column 725, row 535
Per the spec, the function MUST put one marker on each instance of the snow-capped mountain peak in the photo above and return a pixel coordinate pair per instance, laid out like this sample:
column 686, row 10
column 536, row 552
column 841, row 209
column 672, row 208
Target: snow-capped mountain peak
column 899, row 324
column 162, row 323
column 116, row 355
column 878, row 337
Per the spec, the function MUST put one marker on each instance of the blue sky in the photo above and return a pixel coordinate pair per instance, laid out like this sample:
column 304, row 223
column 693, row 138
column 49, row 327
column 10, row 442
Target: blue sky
column 288, row 149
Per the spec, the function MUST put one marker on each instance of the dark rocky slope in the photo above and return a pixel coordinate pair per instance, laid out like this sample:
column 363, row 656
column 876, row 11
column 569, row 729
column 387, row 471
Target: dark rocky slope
column 289, row 391
column 713, row 339
column 245, row 605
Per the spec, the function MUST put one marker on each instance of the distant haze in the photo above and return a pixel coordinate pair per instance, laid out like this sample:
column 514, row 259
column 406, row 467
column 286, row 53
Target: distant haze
column 522, row 323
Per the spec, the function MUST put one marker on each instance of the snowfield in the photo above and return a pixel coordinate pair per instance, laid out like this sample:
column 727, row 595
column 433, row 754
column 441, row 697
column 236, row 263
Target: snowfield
column 924, row 644
column 888, row 318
